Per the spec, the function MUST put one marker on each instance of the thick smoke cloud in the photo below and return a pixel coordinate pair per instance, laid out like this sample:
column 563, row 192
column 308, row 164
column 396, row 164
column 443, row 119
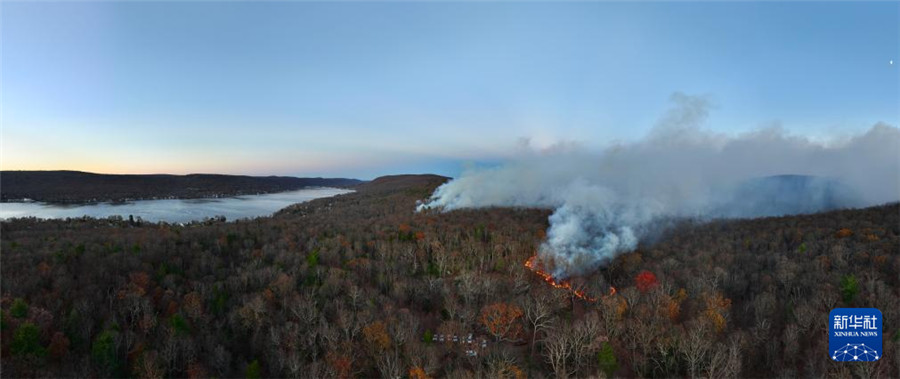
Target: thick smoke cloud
column 605, row 202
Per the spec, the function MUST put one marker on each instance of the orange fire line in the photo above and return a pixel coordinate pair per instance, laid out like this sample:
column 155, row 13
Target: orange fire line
column 563, row 284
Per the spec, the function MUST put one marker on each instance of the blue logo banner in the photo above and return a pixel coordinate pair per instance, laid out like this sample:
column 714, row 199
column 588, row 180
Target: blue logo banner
column 854, row 334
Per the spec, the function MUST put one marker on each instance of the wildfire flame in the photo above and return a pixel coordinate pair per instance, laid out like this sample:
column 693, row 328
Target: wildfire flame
column 532, row 265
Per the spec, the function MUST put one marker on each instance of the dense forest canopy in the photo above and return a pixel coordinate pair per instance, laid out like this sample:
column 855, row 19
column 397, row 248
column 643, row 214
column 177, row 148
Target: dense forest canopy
column 362, row 285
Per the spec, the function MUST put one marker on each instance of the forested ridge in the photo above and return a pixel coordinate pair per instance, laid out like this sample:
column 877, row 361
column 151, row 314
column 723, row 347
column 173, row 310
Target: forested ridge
column 86, row 187
column 360, row 285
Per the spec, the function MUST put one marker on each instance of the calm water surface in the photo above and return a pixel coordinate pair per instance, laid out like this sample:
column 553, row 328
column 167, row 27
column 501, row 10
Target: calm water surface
column 173, row 210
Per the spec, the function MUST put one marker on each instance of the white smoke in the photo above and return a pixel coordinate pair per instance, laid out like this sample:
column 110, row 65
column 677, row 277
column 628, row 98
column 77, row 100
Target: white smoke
column 605, row 202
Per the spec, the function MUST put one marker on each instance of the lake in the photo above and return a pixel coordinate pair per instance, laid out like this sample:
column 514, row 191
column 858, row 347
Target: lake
column 173, row 210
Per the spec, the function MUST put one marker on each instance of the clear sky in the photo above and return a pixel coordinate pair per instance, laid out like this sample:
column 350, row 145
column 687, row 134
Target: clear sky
column 364, row 89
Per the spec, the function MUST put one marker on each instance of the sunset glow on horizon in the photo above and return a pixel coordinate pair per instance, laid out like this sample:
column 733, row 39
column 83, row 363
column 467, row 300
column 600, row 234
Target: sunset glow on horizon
column 368, row 89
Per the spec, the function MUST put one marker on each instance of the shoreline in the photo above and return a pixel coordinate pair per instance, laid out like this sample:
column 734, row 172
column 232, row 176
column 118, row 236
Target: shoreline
column 122, row 201
column 76, row 188
column 172, row 210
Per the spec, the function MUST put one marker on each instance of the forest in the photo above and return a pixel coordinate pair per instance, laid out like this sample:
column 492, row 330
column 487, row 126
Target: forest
column 86, row 187
column 362, row 285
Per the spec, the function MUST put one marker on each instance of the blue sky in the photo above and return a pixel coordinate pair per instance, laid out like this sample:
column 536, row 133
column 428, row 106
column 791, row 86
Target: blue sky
column 365, row 89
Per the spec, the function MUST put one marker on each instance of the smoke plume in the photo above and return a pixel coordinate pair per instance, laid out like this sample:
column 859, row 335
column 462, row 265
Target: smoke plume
column 605, row 202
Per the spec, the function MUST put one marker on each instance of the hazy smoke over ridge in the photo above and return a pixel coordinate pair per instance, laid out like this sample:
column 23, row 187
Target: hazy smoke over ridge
column 605, row 202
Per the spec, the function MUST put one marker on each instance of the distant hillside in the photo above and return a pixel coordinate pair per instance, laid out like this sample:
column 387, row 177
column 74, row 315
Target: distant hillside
column 78, row 187
column 787, row 194
column 395, row 182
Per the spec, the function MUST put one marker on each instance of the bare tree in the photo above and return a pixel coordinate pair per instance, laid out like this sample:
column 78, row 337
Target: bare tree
column 355, row 294
column 718, row 361
column 538, row 313
column 403, row 328
column 585, row 339
column 468, row 286
column 305, row 310
column 501, row 363
column 221, row 360
column 389, row 364
column 610, row 315
column 346, row 321
column 558, row 351
column 733, row 363
column 294, row 365
column 695, row 346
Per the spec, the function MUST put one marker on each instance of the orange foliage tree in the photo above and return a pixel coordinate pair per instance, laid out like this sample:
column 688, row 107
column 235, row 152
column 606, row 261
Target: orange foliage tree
column 717, row 307
column 417, row 372
column 376, row 336
column 674, row 304
column 501, row 320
